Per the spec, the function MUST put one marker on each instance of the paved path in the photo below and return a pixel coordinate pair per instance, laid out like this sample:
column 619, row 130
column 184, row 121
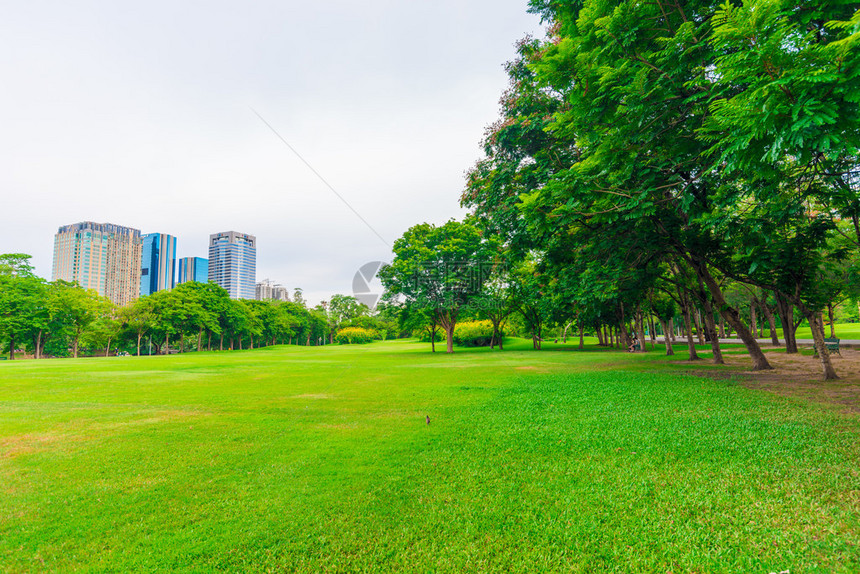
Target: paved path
column 767, row 341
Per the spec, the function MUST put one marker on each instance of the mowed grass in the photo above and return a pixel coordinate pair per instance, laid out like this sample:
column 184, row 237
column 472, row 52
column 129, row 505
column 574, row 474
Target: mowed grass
column 320, row 459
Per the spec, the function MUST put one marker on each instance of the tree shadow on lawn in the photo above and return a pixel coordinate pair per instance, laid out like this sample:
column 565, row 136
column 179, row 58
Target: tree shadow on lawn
column 796, row 376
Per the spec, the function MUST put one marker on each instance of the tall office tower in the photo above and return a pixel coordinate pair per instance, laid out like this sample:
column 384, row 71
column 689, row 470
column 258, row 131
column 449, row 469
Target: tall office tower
column 158, row 268
column 100, row 256
column 233, row 263
column 193, row 269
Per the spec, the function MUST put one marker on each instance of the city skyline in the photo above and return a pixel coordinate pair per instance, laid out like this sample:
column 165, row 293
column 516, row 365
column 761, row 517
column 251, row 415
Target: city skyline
column 94, row 255
column 104, row 123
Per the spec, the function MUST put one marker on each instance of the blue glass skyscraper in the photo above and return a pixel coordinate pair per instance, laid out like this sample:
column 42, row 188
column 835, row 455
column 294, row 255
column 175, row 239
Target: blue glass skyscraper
column 233, row 263
column 193, row 269
column 158, row 266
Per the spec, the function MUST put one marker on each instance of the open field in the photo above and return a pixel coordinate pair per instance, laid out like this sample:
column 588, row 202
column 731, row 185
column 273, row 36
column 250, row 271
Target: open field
column 320, row 459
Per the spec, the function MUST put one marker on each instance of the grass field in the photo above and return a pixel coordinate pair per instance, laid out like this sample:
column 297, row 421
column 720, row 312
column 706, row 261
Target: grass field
column 320, row 459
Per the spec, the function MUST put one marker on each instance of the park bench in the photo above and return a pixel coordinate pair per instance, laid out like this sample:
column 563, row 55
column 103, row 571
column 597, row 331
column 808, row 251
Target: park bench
column 832, row 344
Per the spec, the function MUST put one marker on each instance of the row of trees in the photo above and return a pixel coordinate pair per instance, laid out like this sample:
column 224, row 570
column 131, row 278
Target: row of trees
column 59, row 318
column 652, row 158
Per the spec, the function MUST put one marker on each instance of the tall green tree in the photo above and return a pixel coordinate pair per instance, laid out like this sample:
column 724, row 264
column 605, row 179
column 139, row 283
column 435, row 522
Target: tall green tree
column 440, row 268
column 22, row 296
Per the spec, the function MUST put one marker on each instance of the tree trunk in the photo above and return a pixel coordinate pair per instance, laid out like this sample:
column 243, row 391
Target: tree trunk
column 712, row 334
column 497, row 337
column 691, row 345
column 433, row 339
column 221, row 346
column 494, row 336
column 182, row 342
column 38, row 345
column 786, row 318
column 75, row 343
column 830, row 316
column 139, row 336
column 240, row 343
column 816, row 324
column 107, row 351
column 209, row 342
column 722, row 328
column 166, row 344
column 753, row 319
column 449, row 338
column 539, row 331
column 666, row 339
column 652, row 329
column 199, row 339
column 768, row 315
column 639, row 323
column 581, row 338
column 671, row 332
column 699, row 331
column 12, row 348
column 732, row 317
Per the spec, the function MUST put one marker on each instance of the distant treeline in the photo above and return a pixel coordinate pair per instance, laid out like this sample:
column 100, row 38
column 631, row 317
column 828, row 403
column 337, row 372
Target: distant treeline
column 58, row 319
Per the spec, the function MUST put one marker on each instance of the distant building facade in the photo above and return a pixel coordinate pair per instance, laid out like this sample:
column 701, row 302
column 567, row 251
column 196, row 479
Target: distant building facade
column 100, row 256
column 158, row 263
column 233, row 263
column 266, row 290
column 193, row 269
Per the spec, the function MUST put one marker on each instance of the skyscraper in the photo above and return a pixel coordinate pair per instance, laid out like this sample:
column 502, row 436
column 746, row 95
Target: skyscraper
column 158, row 264
column 193, row 269
column 100, row 256
column 233, row 263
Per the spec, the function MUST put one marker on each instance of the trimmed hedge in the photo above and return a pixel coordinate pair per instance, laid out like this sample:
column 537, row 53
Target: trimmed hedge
column 473, row 334
column 355, row 336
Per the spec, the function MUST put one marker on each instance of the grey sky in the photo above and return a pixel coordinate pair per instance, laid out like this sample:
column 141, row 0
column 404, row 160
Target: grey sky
column 139, row 114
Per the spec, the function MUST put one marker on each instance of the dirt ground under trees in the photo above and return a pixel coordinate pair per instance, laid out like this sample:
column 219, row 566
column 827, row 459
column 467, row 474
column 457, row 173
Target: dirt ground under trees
column 798, row 375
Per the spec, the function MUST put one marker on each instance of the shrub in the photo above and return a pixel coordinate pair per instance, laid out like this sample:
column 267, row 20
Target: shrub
column 473, row 334
column 355, row 336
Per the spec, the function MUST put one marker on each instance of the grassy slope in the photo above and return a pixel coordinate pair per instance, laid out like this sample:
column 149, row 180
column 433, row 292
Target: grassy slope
column 315, row 459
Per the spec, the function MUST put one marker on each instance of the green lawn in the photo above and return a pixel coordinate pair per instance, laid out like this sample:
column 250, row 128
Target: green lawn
column 843, row 331
column 319, row 459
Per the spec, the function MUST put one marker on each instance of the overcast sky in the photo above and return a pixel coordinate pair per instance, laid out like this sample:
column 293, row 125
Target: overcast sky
column 141, row 114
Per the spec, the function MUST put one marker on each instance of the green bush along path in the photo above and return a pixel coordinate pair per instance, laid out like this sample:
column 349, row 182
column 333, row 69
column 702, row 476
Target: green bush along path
column 320, row 459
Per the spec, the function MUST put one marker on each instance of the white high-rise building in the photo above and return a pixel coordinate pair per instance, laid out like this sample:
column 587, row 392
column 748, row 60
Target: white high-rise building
column 271, row 291
column 233, row 263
